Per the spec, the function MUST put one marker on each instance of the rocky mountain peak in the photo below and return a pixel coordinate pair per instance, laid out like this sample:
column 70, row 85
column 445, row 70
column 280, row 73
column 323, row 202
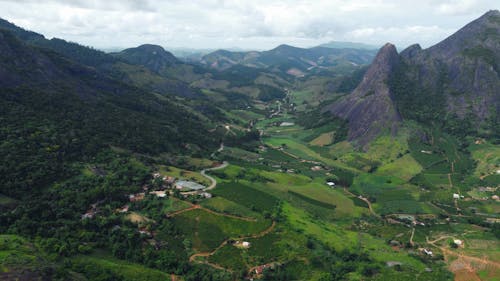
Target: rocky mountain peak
column 411, row 51
column 370, row 108
column 483, row 31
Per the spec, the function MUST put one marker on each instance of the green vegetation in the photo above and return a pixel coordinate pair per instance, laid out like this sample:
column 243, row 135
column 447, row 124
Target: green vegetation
column 246, row 196
column 82, row 139
column 207, row 231
column 312, row 201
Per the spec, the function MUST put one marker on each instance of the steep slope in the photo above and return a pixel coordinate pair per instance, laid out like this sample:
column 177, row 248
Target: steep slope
column 67, row 112
column 453, row 85
column 147, row 66
column 460, row 75
column 370, row 108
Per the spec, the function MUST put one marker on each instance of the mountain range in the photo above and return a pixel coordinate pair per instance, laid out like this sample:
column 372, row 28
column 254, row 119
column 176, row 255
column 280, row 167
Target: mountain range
column 336, row 162
column 456, row 81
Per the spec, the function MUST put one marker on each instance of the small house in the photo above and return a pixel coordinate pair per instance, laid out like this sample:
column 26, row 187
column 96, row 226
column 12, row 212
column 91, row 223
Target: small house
column 458, row 242
column 136, row 197
column 159, row 193
column 428, row 252
column 123, row 209
column 456, row 196
column 316, row 168
column 206, row 195
column 331, row 184
column 245, row 244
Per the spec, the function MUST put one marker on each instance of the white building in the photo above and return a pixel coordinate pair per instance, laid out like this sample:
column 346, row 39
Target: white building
column 456, row 196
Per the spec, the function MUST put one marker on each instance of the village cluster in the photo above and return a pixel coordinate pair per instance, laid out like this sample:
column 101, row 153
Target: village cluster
column 160, row 186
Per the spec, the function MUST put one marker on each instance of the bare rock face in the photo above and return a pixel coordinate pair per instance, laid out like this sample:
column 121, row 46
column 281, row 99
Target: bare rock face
column 370, row 108
column 468, row 63
column 456, row 78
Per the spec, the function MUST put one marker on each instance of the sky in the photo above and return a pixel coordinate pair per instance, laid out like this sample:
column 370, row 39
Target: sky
column 254, row 24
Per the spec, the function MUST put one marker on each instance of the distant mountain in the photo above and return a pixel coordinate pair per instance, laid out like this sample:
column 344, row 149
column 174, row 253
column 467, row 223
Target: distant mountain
column 348, row 45
column 153, row 57
column 297, row 62
column 454, row 84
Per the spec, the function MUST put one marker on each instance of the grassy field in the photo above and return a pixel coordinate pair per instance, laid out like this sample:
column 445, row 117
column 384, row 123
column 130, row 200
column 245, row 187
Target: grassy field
column 223, row 205
column 329, row 234
column 247, row 196
column 173, row 204
column 487, row 156
column 389, row 194
column 405, row 168
column 323, row 139
column 229, row 257
column 304, row 152
column 207, row 231
column 15, row 251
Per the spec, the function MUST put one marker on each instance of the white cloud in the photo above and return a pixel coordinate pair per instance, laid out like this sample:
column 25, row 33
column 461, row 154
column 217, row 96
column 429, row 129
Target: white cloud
column 254, row 24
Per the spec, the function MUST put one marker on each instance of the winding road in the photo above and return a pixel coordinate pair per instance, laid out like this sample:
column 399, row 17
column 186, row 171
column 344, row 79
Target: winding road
column 211, row 179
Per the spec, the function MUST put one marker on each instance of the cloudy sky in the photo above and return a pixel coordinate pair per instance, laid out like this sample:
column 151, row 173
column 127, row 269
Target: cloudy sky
column 255, row 24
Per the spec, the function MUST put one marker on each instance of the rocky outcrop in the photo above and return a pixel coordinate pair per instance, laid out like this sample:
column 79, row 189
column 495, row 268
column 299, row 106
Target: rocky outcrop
column 370, row 108
column 464, row 67
column 457, row 78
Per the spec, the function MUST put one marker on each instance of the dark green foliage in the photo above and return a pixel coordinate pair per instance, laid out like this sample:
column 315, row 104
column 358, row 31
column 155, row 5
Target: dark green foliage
column 413, row 101
column 93, row 272
column 238, row 75
column 268, row 93
column 484, row 54
column 350, row 82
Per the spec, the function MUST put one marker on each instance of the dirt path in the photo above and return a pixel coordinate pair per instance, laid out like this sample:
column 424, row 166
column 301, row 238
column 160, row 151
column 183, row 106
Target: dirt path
column 207, row 254
column 271, row 264
column 196, row 207
column 447, row 252
column 364, row 199
column 228, row 215
column 193, row 207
